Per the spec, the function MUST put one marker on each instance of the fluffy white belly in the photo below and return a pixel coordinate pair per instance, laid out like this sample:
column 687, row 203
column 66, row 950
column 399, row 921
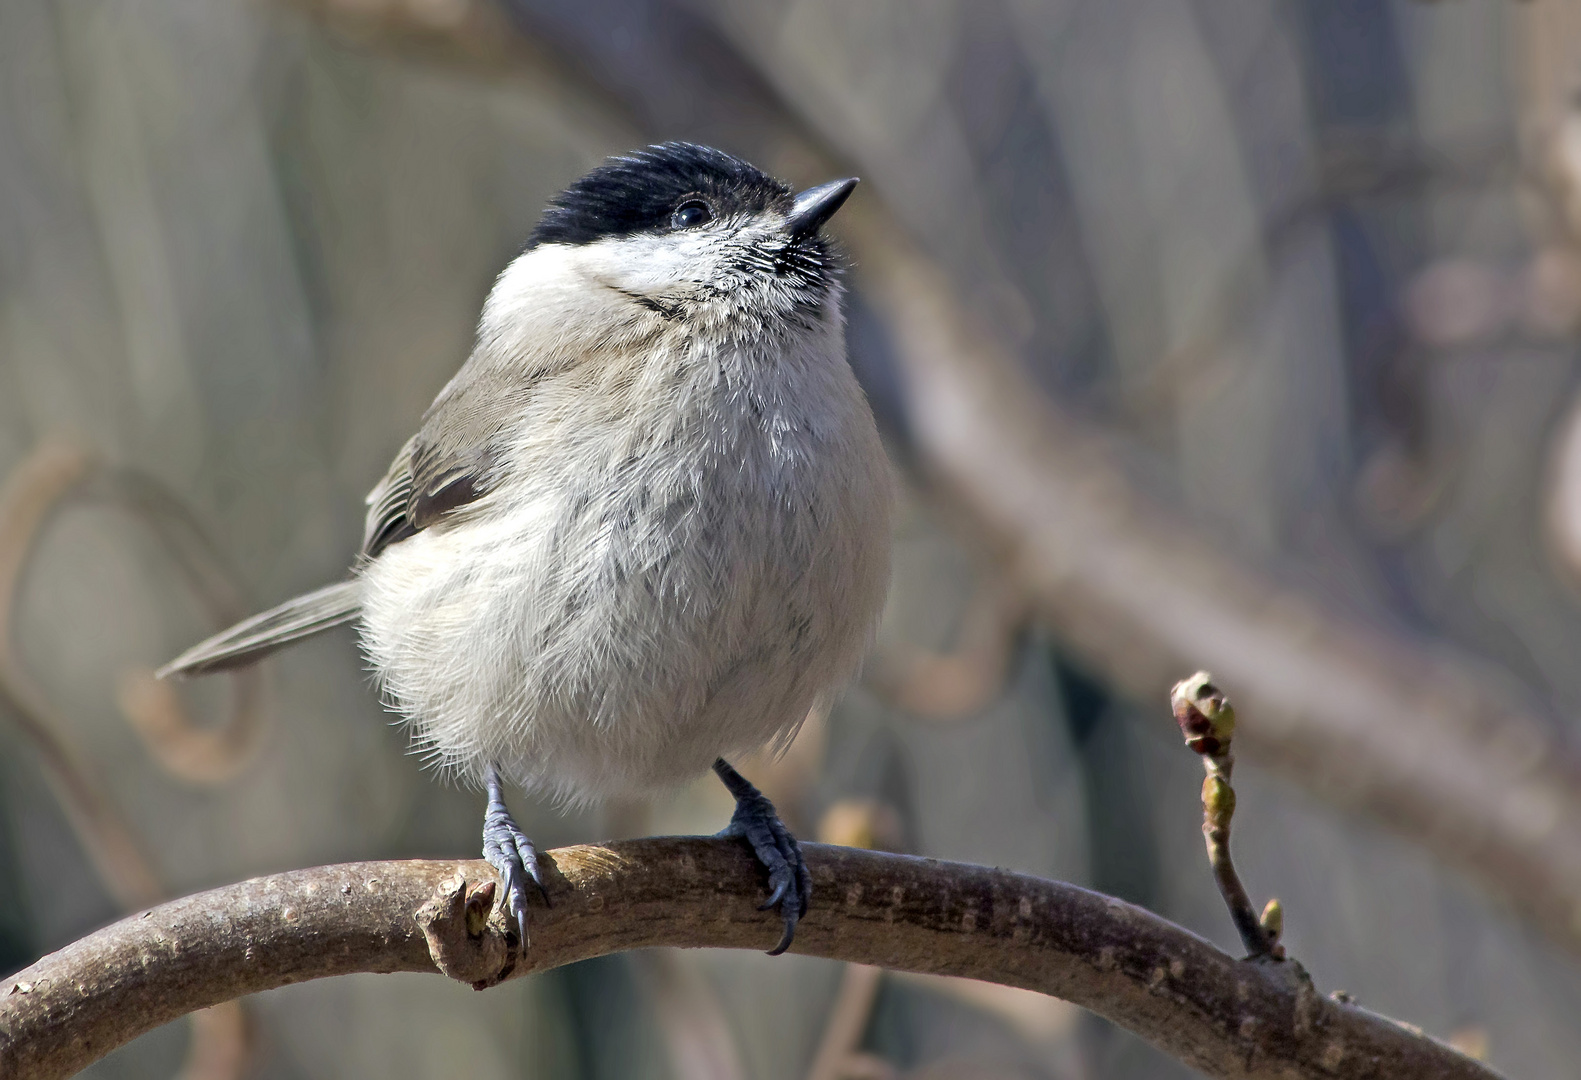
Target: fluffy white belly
column 612, row 630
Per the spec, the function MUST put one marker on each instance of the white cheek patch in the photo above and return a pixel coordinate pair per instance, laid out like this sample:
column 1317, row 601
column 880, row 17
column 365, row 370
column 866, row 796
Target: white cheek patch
column 543, row 313
column 675, row 263
column 556, row 303
column 653, row 265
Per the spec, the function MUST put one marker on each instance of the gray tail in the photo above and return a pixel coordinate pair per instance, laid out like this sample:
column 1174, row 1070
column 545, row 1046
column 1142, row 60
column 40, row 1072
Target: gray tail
column 255, row 638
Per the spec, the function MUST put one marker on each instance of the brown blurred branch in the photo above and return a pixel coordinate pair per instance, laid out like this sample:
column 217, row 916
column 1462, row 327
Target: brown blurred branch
column 221, row 1042
column 1433, row 743
column 946, row 686
column 1225, row 1017
column 199, row 755
column 31, row 495
column 1428, row 740
column 849, row 1015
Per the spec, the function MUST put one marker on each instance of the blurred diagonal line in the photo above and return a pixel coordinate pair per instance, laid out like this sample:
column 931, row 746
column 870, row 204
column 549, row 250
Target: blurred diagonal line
column 1432, row 742
column 30, row 496
column 848, row 1020
column 691, row 1018
column 221, row 1042
column 1437, row 744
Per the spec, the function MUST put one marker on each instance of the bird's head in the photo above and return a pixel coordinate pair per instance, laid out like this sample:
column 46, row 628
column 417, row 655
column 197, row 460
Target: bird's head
column 684, row 234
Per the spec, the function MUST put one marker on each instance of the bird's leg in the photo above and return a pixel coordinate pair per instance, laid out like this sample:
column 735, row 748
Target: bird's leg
column 790, row 885
column 509, row 851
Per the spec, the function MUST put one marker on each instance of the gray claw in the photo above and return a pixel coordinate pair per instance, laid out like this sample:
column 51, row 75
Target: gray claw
column 509, row 851
column 790, row 885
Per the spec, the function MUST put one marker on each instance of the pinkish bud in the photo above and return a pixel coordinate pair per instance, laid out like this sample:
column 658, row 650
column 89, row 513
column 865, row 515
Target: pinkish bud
column 1205, row 715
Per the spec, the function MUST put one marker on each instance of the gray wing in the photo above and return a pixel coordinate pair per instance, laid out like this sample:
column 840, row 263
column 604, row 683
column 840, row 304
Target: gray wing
column 389, row 504
column 451, row 460
column 447, row 464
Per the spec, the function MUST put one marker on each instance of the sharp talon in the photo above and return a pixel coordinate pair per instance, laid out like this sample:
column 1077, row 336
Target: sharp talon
column 790, row 884
column 529, row 855
column 776, row 896
column 785, row 939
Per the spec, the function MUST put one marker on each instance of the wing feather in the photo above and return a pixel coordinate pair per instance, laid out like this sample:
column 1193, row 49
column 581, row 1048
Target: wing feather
column 450, row 462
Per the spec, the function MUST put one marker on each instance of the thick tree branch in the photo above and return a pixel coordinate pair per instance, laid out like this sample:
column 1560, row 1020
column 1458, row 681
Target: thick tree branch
column 1226, row 1017
column 1429, row 740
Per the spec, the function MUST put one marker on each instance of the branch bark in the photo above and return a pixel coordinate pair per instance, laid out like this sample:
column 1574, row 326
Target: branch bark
column 1228, row 1018
column 1438, row 745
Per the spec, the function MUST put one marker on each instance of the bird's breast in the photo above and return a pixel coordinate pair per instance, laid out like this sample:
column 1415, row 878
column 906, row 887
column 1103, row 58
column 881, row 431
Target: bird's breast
column 673, row 564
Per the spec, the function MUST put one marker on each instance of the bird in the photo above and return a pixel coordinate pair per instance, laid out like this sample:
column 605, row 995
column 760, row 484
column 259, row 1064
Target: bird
column 644, row 529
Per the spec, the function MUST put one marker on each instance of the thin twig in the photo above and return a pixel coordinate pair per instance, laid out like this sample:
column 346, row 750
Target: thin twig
column 1207, row 720
column 1218, row 807
column 1225, row 1017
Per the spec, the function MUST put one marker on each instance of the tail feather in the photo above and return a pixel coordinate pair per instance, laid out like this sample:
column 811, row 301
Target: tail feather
column 252, row 639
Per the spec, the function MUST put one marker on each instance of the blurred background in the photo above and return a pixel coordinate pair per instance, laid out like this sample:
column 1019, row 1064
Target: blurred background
column 1239, row 335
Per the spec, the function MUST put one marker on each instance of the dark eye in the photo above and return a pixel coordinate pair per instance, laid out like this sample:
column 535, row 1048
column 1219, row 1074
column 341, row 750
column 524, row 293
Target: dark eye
column 690, row 214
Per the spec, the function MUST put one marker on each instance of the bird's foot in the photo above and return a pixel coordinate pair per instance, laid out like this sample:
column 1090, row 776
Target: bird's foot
column 755, row 820
column 509, row 851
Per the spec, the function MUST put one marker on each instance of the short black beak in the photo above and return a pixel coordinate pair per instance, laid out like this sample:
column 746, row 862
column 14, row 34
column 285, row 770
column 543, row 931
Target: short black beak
column 817, row 205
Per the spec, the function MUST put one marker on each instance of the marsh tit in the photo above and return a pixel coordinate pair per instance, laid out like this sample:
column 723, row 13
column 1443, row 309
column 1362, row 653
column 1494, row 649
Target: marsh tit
column 644, row 528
